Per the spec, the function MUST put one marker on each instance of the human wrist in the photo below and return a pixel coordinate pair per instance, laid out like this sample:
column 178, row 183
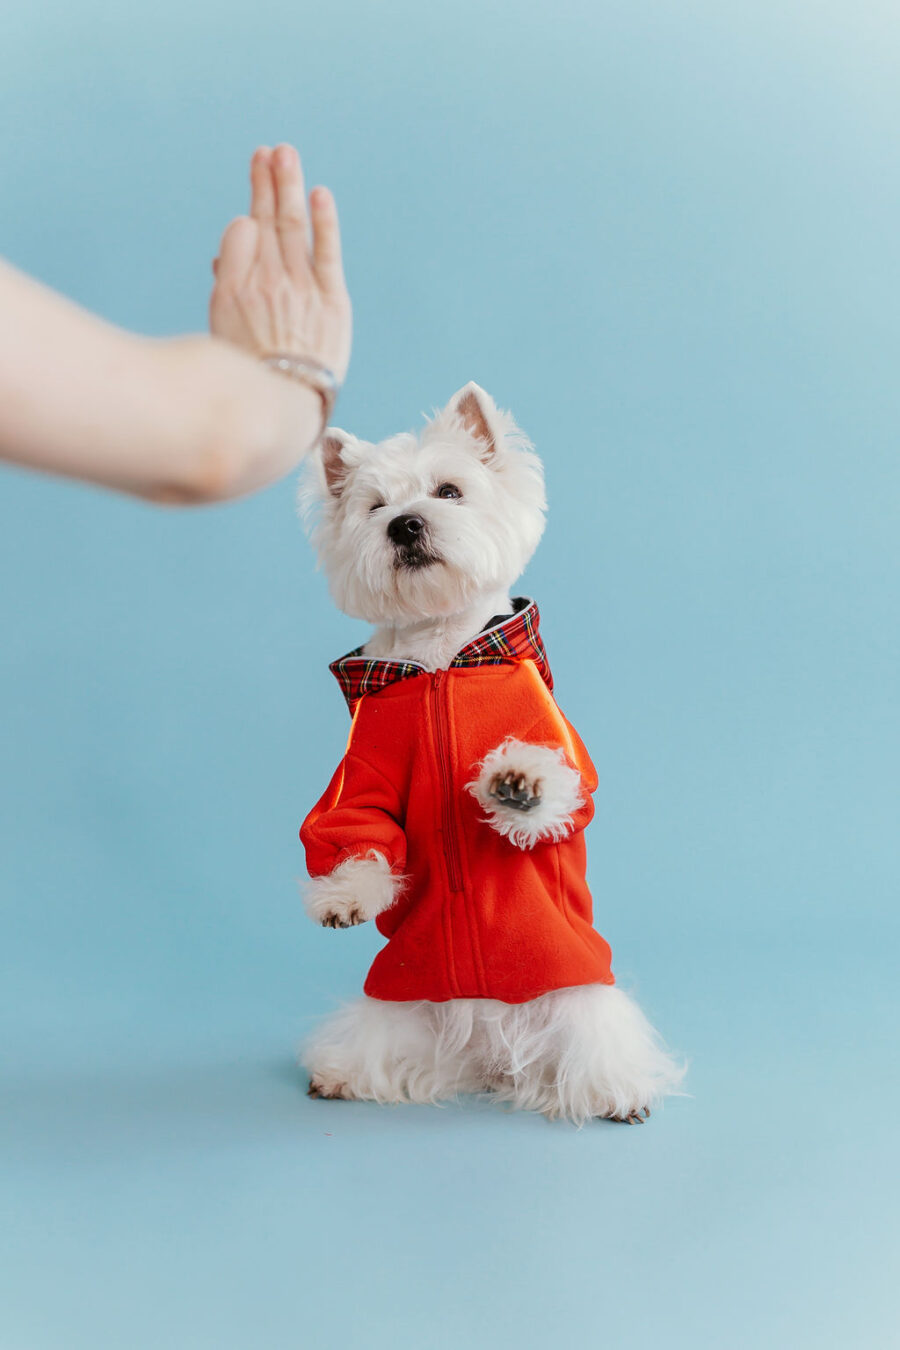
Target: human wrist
column 310, row 373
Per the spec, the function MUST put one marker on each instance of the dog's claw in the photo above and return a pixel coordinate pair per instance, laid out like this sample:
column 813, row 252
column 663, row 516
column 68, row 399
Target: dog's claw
column 635, row 1117
column 316, row 1090
column 354, row 917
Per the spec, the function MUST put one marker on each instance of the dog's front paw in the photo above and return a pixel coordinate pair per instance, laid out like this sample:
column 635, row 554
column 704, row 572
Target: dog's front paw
column 529, row 793
column 516, row 790
column 343, row 916
column 356, row 891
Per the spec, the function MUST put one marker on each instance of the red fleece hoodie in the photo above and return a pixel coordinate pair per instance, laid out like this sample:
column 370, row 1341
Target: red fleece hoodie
column 478, row 917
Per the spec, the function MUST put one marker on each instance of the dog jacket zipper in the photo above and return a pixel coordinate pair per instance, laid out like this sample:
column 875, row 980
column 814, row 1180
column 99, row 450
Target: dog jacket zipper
column 451, row 843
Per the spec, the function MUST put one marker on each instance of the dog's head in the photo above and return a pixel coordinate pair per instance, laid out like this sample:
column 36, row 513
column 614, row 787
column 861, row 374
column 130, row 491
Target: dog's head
column 417, row 527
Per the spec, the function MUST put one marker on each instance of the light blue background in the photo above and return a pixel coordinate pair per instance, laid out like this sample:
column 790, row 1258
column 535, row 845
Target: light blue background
column 667, row 237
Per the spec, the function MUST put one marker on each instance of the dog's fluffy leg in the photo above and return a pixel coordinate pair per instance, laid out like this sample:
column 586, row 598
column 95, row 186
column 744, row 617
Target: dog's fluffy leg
column 393, row 1052
column 578, row 1053
column 529, row 793
column 357, row 890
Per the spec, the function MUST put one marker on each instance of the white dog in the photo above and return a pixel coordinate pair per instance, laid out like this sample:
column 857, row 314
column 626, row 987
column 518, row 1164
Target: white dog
column 456, row 816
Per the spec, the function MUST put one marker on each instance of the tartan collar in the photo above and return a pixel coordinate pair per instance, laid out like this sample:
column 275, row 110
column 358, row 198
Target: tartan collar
column 515, row 638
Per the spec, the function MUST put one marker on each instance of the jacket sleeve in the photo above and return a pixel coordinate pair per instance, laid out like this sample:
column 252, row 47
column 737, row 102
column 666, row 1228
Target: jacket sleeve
column 552, row 729
column 360, row 811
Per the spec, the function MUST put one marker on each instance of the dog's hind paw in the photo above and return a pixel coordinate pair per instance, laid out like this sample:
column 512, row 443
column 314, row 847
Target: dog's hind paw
column 328, row 1091
column 635, row 1117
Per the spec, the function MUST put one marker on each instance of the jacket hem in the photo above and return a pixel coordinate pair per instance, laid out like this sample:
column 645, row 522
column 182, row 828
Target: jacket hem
column 495, row 998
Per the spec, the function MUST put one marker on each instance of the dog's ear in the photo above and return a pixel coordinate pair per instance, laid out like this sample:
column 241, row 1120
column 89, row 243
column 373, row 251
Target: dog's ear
column 478, row 413
column 331, row 453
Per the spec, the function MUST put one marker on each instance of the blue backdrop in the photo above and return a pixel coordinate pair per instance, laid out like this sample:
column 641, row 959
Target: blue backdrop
column 667, row 237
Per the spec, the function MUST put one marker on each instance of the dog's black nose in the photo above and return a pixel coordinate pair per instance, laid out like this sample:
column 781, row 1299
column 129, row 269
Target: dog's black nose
column 405, row 529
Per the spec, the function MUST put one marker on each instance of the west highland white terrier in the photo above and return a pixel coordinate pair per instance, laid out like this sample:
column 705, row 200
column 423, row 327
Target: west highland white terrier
column 456, row 818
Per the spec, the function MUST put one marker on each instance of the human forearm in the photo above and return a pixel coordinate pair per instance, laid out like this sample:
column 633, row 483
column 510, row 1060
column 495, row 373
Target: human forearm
column 186, row 419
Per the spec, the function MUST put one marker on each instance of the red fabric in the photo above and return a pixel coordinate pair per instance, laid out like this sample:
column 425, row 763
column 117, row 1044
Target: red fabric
column 479, row 917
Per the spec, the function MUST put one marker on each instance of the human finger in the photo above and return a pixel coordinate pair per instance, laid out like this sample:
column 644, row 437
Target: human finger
column 290, row 209
column 262, row 188
column 262, row 209
column 237, row 251
column 326, row 240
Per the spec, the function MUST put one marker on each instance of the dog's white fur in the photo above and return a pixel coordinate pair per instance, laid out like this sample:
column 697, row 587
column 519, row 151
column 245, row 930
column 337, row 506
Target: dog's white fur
column 547, row 774
column 357, row 890
column 481, row 542
column 578, row 1052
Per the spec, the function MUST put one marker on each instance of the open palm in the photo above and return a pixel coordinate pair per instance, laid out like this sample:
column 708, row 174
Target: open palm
column 279, row 278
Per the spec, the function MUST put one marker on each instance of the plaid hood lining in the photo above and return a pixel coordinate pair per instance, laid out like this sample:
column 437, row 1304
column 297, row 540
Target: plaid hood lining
column 514, row 638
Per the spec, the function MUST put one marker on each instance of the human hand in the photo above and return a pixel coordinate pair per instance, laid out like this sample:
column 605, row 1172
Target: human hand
column 275, row 290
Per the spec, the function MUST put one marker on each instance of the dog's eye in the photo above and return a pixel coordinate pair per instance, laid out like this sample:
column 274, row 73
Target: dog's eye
column 376, row 506
column 448, row 491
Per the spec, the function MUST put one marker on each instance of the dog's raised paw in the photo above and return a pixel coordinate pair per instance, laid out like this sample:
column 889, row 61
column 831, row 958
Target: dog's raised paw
column 515, row 790
column 357, row 890
column 343, row 919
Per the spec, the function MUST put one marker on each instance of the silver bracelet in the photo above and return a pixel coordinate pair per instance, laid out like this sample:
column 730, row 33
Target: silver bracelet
column 306, row 370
